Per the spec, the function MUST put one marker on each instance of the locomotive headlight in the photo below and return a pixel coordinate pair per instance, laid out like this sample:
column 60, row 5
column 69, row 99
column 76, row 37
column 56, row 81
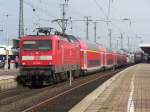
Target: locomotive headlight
column 27, row 57
column 46, row 57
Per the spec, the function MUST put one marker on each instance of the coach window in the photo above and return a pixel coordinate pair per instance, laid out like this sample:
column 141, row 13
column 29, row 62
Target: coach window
column 72, row 39
column 63, row 38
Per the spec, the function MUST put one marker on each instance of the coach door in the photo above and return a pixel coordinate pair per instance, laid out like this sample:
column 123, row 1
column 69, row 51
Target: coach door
column 102, row 58
column 85, row 59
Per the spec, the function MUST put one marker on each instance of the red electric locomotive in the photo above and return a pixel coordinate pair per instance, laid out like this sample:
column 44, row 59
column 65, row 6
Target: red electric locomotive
column 48, row 58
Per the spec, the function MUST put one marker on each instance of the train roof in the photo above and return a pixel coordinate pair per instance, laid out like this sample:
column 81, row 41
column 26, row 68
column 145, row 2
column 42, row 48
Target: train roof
column 87, row 45
column 31, row 37
column 70, row 38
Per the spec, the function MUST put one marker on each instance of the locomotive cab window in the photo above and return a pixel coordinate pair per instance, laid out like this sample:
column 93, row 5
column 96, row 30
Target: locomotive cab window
column 37, row 45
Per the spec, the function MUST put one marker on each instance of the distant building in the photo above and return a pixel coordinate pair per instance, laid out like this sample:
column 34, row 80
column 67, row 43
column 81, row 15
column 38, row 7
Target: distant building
column 15, row 47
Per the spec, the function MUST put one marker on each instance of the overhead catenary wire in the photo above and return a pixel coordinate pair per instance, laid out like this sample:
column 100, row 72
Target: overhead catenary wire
column 100, row 8
column 39, row 9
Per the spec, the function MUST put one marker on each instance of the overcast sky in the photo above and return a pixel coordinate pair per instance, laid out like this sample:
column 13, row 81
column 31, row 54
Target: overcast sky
column 137, row 10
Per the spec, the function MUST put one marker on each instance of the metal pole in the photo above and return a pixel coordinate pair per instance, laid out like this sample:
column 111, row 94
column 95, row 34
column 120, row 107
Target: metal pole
column 7, row 38
column 109, row 29
column 117, row 44
column 70, row 78
column 110, row 44
column 121, row 41
column 21, row 23
column 0, row 36
column 63, row 18
column 95, row 28
column 63, row 21
column 128, row 44
column 7, row 53
column 87, row 27
column 6, row 28
column 108, row 17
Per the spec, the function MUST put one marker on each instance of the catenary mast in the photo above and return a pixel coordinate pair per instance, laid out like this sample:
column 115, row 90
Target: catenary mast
column 21, row 22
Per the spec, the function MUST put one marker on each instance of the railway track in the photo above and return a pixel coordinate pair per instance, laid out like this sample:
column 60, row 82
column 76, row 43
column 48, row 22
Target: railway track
column 55, row 98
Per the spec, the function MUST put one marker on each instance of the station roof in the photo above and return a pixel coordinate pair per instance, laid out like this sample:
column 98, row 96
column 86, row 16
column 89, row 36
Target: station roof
column 145, row 48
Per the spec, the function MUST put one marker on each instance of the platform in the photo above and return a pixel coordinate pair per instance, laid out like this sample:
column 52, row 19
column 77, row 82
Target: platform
column 128, row 91
column 4, row 72
column 8, row 79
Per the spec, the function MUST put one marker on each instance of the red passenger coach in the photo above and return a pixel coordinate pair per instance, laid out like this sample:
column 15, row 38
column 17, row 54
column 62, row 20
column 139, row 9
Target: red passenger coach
column 121, row 58
column 109, row 58
column 103, row 55
column 91, row 57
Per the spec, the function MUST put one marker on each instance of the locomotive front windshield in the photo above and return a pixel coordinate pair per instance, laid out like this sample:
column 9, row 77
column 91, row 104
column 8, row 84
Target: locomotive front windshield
column 37, row 45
